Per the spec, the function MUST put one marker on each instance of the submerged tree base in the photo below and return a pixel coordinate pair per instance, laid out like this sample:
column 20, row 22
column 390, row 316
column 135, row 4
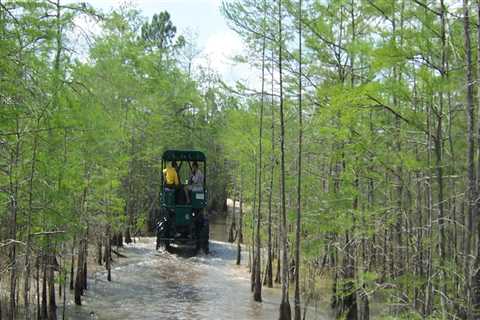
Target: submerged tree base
column 285, row 311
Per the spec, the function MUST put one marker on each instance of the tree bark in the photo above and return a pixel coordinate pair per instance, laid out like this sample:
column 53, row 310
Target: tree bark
column 257, row 292
column 108, row 254
column 37, row 263
column 233, row 227
column 26, row 294
column 99, row 252
column 52, row 305
column 438, row 144
column 85, row 263
column 13, row 189
column 72, row 264
column 79, row 275
column 475, row 282
column 297, row 308
column 471, row 191
column 269, row 272
column 240, row 223
column 43, row 312
column 285, row 311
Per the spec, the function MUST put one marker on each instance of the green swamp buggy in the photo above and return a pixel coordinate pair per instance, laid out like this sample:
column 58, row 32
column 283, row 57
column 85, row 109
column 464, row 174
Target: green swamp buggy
column 183, row 222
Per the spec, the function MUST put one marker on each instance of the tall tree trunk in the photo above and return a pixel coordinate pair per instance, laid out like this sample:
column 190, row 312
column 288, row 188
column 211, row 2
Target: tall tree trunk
column 26, row 293
column 13, row 186
column 285, row 311
column 471, row 186
column 298, row 310
column 438, row 144
column 269, row 272
column 253, row 265
column 475, row 282
column 257, row 292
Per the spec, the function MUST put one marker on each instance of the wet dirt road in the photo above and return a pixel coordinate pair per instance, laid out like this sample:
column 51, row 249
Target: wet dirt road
column 153, row 284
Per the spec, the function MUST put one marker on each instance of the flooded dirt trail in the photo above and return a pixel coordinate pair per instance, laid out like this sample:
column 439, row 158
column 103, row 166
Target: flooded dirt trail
column 153, row 284
column 160, row 285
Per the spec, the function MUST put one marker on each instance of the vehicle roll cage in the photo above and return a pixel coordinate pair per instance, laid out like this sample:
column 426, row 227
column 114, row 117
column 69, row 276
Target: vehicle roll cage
column 188, row 156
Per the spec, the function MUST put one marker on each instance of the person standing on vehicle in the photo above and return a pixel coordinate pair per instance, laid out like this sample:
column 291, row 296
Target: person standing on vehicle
column 170, row 175
column 172, row 180
column 196, row 179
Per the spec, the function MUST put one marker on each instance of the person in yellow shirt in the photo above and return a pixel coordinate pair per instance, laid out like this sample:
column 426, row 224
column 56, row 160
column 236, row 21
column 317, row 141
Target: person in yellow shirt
column 172, row 181
column 170, row 175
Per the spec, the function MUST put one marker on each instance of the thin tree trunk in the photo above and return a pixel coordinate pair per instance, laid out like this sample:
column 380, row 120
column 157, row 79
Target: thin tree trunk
column 108, row 254
column 52, row 305
column 26, row 294
column 475, row 282
column 72, row 264
column 14, row 184
column 99, row 252
column 38, row 287
column 85, row 263
column 438, row 143
column 257, row 292
column 64, row 285
column 285, row 311
column 43, row 312
column 278, row 277
column 297, row 308
column 233, row 227
column 79, row 276
column 471, row 186
column 240, row 222
column 253, row 264
column 269, row 272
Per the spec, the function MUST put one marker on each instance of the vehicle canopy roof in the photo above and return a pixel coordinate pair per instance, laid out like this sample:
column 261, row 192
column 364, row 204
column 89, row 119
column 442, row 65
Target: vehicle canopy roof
column 183, row 155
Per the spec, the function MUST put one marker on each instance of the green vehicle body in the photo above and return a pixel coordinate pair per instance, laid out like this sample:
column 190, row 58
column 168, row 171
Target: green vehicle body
column 183, row 223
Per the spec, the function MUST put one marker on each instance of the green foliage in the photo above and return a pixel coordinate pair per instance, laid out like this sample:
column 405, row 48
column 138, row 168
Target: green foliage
column 89, row 131
column 81, row 136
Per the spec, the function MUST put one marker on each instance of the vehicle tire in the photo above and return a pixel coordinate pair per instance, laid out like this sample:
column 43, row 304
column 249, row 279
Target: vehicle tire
column 163, row 231
column 197, row 227
column 201, row 233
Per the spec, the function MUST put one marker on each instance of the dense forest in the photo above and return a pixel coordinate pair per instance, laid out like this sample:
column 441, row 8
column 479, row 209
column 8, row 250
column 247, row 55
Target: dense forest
column 355, row 159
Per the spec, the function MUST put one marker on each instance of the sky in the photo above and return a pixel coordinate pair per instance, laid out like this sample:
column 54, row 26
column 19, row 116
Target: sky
column 216, row 43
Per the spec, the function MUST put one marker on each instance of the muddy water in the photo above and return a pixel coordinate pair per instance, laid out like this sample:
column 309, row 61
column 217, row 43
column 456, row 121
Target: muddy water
column 153, row 284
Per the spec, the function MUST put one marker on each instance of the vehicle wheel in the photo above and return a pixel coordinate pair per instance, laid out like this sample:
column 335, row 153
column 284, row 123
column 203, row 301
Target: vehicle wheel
column 201, row 233
column 166, row 244
column 163, row 228
column 197, row 227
